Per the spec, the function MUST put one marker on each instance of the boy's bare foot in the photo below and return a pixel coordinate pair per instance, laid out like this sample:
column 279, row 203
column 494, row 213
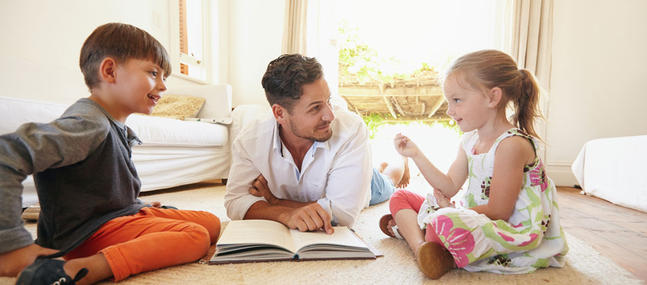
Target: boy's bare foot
column 434, row 260
column 406, row 175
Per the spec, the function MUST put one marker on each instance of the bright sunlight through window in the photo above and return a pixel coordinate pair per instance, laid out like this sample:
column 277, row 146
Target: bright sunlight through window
column 392, row 55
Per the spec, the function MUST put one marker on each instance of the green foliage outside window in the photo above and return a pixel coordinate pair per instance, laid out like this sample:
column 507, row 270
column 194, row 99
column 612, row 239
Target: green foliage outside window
column 359, row 63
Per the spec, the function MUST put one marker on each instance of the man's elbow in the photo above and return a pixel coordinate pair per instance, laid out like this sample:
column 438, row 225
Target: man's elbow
column 233, row 210
column 250, row 212
column 348, row 223
column 345, row 219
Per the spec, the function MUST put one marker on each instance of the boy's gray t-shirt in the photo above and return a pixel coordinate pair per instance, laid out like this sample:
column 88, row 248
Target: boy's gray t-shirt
column 83, row 172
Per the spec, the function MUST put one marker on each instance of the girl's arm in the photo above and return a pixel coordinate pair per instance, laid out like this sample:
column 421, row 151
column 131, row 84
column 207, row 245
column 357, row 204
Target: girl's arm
column 448, row 183
column 510, row 158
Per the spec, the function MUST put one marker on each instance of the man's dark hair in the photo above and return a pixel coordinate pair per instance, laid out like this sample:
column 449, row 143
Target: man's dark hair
column 121, row 42
column 285, row 77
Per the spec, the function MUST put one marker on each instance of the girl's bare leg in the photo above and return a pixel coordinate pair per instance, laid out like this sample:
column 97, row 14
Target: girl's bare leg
column 433, row 259
column 407, row 221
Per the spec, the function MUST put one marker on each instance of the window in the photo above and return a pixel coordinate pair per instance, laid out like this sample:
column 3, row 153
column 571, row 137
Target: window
column 390, row 58
column 189, row 40
column 390, row 55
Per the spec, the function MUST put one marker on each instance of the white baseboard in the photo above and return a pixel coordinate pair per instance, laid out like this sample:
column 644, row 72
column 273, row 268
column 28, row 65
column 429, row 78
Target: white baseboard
column 561, row 174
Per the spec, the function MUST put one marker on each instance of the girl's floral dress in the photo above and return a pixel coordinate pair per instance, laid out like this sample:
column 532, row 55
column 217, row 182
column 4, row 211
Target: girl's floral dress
column 532, row 237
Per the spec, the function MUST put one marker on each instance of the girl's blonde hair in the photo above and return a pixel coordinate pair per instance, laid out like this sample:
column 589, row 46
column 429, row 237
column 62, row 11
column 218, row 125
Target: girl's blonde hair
column 493, row 68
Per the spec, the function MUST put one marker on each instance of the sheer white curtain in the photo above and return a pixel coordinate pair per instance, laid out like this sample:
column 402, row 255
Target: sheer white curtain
column 295, row 27
column 310, row 30
column 530, row 44
column 522, row 28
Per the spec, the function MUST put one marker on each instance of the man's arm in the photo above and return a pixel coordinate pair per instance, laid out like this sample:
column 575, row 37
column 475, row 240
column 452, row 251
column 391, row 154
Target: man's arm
column 34, row 148
column 310, row 217
column 261, row 189
column 304, row 216
column 242, row 173
column 349, row 181
column 241, row 204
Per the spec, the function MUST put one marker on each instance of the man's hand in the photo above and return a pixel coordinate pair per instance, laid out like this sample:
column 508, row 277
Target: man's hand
column 260, row 189
column 13, row 262
column 311, row 217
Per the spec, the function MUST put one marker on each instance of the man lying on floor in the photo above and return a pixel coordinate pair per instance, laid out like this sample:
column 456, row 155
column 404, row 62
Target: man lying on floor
column 309, row 166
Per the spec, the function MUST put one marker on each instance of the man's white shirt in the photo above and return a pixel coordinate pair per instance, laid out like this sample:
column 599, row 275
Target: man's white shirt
column 335, row 173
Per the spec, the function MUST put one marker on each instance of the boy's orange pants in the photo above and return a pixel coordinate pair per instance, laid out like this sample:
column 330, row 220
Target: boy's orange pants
column 151, row 239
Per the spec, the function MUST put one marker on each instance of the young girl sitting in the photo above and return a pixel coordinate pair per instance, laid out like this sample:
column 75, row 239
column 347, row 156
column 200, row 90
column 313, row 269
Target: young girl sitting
column 508, row 219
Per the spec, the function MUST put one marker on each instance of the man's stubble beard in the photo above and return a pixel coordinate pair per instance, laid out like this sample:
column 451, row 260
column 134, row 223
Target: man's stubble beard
column 318, row 139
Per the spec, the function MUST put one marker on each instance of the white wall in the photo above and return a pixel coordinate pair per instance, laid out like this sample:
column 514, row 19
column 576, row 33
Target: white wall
column 255, row 38
column 596, row 84
column 41, row 41
column 598, row 77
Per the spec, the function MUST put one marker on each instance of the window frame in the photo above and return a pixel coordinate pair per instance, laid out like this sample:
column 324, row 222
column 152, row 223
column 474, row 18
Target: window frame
column 177, row 57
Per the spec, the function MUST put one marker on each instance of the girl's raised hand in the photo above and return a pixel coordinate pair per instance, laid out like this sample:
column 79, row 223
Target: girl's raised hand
column 405, row 146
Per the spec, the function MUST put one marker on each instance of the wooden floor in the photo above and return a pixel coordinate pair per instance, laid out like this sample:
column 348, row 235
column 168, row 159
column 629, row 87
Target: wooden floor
column 616, row 232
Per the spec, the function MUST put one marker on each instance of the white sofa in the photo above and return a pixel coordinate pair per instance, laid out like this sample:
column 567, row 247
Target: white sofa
column 173, row 152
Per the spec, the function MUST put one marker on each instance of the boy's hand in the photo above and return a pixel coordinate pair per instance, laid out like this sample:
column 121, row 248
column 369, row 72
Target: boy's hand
column 260, row 189
column 13, row 262
column 405, row 146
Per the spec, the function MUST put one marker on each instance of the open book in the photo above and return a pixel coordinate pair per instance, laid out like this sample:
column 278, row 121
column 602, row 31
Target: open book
column 264, row 240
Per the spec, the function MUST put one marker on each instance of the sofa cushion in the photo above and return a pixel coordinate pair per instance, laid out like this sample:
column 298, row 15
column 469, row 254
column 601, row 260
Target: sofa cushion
column 178, row 106
column 151, row 130
column 157, row 131
column 16, row 111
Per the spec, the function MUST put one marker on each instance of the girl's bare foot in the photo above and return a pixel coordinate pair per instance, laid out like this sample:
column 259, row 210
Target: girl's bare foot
column 434, row 260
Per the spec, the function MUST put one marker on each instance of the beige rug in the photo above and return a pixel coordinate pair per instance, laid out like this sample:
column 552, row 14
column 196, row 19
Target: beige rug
column 584, row 264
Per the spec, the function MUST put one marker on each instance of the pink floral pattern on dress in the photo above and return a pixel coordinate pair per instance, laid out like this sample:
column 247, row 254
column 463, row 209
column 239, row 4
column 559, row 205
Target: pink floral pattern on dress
column 458, row 241
column 505, row 237
column 515, row 245
column 533, row 236
column 538, row 177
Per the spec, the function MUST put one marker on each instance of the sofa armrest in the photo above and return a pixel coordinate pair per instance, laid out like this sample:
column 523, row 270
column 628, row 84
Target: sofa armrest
column 246, row 115
column 218, row 103
column 17, row 111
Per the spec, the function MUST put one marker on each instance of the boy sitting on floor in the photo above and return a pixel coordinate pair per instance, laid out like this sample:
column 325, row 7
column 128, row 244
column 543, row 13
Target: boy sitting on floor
column 86, row 181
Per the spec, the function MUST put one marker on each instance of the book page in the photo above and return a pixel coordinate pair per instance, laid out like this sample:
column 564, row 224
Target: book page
column 342, row 236
column 257, row 232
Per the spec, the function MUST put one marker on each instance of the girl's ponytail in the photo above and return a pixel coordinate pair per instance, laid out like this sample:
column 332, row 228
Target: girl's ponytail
column 526, row 103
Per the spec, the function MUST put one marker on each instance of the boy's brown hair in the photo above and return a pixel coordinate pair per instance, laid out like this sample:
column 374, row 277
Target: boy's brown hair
column 121, row 42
